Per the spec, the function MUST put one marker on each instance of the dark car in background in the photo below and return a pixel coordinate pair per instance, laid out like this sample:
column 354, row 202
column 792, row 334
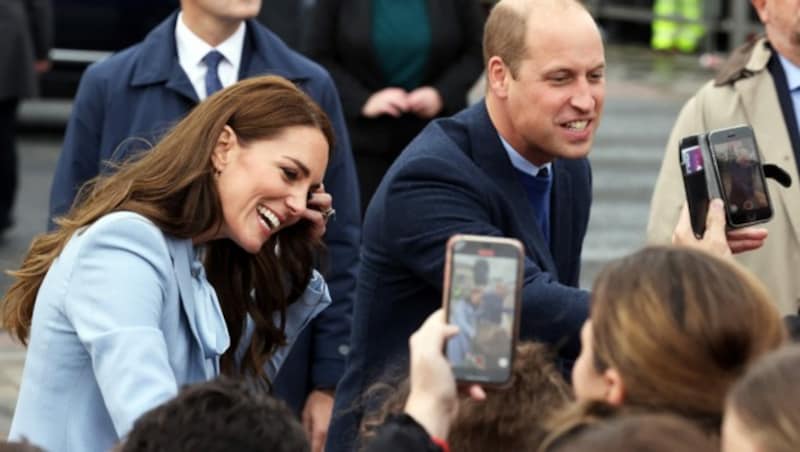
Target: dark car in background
column 89, row 30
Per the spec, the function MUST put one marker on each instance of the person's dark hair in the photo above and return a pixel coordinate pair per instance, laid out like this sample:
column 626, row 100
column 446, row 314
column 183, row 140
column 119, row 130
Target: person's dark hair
column 222, row 415
column 174, row 186
column 680, row 326
column 21, row 446
column 511, row 418
column 766, row 401
column 643, row 432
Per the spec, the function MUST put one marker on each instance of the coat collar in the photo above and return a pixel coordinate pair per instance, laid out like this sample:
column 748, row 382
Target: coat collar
column 263, row 53
column 490, row 155
column 744, row 62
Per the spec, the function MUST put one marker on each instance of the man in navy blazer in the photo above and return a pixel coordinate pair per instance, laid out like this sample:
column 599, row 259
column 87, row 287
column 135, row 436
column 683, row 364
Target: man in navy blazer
column 126, row 102
column 476, row 173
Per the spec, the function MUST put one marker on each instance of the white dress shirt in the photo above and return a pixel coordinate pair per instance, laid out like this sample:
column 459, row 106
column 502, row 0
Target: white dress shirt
column 192, row 49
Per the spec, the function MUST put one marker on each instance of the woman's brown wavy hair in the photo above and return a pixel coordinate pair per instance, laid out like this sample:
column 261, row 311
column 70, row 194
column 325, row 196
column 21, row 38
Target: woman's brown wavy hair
column 174, row 186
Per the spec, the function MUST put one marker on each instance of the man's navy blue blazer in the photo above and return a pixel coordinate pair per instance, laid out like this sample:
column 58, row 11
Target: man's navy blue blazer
column 456, row 177
column 127, row 102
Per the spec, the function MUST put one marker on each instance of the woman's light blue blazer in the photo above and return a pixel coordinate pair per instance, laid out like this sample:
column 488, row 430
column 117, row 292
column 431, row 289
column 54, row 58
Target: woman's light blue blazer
column 124, row 317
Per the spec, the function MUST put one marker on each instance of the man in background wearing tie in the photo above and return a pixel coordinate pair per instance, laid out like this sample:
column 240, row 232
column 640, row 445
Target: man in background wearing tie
column 126, row 102
column 512, row 165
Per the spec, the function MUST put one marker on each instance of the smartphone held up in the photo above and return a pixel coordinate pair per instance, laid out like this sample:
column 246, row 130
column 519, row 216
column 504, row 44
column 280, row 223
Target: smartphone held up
column 724, row 163
column 482, row 296
column 740, row 175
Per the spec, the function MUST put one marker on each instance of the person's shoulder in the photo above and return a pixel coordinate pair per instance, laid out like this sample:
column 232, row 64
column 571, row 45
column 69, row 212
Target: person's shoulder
column 132, row 228
column 124, row 218
column 441, row 142
column 115, row 238
column 115, row 66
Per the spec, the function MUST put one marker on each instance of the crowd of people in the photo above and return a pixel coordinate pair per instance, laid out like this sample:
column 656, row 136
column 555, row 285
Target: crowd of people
column 209, row 281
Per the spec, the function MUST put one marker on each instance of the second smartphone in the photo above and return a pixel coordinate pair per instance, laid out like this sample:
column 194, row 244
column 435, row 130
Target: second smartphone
column 482, row 296
column 740, row 175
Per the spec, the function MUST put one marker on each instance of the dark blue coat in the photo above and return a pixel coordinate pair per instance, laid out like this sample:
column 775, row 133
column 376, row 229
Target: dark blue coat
column 456, row 177
column 141, row 91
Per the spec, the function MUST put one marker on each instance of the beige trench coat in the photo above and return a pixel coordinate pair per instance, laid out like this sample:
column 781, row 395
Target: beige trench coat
column 741, row 95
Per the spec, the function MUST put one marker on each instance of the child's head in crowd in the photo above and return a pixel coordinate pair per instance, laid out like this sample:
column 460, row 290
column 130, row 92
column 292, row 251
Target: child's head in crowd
column 222, row 415
column 15, row 446
column 511, row 418
column 671, row 329
column 762, row 413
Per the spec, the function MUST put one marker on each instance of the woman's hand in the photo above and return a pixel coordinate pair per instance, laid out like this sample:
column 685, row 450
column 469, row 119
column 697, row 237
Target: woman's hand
column 425, row 102
column 319, row 209
column 388, row 101
column 432, row 400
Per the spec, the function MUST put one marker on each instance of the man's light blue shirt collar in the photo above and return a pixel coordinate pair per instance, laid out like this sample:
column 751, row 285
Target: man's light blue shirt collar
column 792, row 73
column 521, row 163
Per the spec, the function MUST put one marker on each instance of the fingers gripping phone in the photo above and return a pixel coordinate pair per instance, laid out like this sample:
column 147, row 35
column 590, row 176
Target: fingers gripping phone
column 740, row 175
column 694, row 182
column 482, row 296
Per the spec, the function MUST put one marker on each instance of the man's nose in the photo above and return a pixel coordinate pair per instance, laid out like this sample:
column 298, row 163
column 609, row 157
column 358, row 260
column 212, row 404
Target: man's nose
column 583, row 97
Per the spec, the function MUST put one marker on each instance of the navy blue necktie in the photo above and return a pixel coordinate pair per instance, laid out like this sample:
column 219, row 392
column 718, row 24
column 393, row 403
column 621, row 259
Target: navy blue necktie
column 213, row 84
column 543, row 173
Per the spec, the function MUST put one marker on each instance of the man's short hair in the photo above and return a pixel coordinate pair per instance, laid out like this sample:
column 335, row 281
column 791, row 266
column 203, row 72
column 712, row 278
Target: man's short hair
column 506, row 28
column 218, row 416
column 504, row 36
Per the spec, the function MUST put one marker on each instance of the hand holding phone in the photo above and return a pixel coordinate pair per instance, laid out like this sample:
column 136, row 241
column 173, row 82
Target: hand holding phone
column 482, row 296
column 432, row 398
column 319, row 207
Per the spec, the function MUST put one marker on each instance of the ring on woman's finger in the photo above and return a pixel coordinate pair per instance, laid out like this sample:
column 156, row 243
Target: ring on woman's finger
column 326, row 214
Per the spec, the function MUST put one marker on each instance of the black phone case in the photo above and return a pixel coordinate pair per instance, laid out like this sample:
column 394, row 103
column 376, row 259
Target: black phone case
column 697, row 195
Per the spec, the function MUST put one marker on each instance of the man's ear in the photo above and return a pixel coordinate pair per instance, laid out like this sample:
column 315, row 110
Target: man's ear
column 497, row 77
column 222, row 150
column 615, row 387
column 760, row 7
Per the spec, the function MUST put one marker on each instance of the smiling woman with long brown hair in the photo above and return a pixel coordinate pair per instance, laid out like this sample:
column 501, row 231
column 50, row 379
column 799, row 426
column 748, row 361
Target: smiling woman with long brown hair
column 183, row 264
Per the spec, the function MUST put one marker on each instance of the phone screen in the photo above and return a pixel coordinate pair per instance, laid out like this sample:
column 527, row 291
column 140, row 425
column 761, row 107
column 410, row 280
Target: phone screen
column 741, row 178
column 483, row 302
column 694, row 182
